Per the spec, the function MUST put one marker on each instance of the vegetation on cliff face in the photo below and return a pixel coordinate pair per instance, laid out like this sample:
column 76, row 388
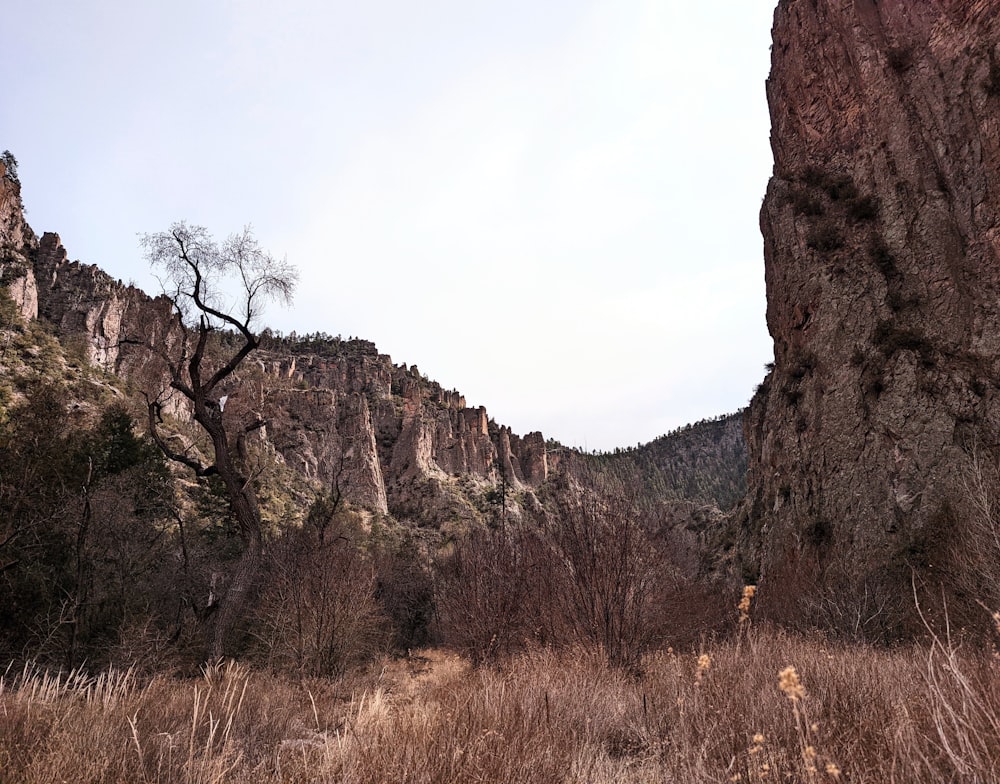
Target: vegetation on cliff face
column 83, row 500
column 704, row 461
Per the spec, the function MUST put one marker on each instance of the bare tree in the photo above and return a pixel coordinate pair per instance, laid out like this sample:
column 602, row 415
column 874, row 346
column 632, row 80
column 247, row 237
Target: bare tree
column 199, row 276
column 318, row 612
column 611, row 573
column 492, row 594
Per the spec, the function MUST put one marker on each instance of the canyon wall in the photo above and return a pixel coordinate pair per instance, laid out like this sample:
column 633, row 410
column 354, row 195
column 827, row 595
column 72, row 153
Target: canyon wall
column 877, row 429
column 17, row 244
column 346, row 418
column 386, row 437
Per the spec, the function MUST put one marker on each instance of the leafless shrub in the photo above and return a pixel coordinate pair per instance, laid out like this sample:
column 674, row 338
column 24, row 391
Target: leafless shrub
column 869, row 609
column 489, row 590
column 318, row 614
column 976, row 551
column 609, row 575
column 593, row 576
column 405, row 591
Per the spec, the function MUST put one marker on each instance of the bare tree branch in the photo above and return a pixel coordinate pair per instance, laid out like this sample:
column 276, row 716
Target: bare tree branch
column 155, row 417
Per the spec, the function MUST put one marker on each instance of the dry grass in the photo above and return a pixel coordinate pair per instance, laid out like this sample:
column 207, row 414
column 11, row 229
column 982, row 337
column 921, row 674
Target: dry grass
column 859, row 714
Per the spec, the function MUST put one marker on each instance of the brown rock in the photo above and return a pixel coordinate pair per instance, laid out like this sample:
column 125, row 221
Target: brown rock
column 17, row 245
column 882, row 268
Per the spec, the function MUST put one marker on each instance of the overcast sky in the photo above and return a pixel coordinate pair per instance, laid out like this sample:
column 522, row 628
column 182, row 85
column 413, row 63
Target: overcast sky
column 550, row 205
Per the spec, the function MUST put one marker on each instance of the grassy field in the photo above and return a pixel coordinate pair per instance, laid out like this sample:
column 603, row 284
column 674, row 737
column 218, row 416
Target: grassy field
column 768, row 707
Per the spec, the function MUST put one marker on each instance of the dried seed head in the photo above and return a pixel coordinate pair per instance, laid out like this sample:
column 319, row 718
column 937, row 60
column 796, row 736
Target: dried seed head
column 744, row 605
column 789, row 683
column 704, row 663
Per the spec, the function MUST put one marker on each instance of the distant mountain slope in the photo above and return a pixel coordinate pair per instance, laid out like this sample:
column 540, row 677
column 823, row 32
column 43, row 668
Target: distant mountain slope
column 704, row 462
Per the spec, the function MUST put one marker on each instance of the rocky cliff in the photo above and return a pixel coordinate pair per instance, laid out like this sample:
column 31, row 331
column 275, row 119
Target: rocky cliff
column 379, row 435
column 386, row 437
column 17, row 244
column 82, row 301
column 882, row 263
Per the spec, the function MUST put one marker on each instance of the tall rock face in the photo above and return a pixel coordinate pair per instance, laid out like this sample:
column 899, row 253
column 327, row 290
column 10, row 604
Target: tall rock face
column 17, row 245
column 882, row 262
column 83, row 302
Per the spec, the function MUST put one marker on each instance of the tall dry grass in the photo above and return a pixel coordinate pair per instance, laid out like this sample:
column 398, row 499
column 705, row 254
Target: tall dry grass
column 766, row 707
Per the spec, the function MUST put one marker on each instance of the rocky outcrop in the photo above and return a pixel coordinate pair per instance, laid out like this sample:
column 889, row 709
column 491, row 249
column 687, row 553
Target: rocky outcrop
column 882, row 264
column 384, row 436
column 83, row 301
column 18, row 280
column 17, row 246
column 15, row 233
column 329, row 438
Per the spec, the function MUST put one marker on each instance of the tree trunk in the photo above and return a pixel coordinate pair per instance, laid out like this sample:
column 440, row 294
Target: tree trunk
column 236, row 599
column 246, row 515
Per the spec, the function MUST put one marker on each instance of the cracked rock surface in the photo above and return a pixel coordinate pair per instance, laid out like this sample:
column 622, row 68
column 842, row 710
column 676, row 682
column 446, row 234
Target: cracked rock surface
column 882, row 265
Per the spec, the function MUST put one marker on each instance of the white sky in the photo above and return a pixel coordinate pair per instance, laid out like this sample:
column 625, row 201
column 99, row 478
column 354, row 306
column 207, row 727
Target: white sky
column 548, row 205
